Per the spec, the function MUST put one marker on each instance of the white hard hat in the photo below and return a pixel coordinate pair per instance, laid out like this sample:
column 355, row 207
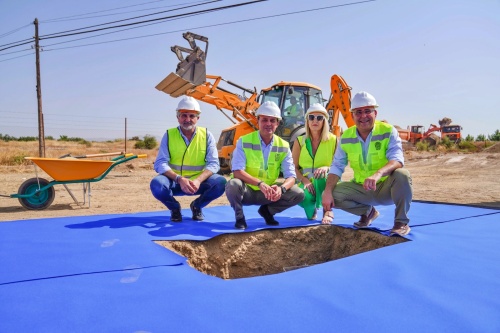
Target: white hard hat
column 269, row 109
column 188, row 103
column 363, row 99
column 317, row 107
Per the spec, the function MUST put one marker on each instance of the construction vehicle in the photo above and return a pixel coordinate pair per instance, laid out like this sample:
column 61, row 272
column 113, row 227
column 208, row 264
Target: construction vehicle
column 452, row 132
column 191, row 79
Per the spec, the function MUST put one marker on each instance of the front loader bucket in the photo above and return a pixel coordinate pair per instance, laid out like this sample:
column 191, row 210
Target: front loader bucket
column 190, row 72
column 174, row 85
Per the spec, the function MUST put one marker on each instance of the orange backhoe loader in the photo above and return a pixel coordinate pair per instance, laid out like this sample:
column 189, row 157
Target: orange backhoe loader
column 418, row 132
column 293, row 98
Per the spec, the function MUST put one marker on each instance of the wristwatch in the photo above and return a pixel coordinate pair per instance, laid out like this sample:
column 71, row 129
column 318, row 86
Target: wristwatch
column 283, row 189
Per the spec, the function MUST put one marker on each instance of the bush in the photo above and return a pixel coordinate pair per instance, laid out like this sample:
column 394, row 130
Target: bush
column 422, row 146
column 7, row 138
column 27, row 138
column 467, row 145
column 135, row 138
column 446, row 142
column 149, row 142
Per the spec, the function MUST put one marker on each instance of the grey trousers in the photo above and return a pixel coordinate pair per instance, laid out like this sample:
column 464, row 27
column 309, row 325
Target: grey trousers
column 239, row 195
column 396, row 189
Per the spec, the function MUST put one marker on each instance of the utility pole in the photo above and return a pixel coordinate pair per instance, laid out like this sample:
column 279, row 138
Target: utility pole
column 41, row 132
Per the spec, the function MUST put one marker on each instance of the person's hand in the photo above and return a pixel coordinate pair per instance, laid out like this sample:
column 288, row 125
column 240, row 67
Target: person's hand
column 195, row 184
column 186, row 186
column 309, row 186
column 267, row 190
column 276, row 193
column 370, row 183
column 327, row 201
column 321, row 172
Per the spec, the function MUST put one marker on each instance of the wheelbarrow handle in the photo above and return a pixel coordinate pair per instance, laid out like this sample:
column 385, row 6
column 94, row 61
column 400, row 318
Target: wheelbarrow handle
column 99, row 155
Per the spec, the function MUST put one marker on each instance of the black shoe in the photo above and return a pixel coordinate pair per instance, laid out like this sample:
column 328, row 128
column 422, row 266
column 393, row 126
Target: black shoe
column 241, row 223
column 264, row 212
column 175, row 215
column 197, row 214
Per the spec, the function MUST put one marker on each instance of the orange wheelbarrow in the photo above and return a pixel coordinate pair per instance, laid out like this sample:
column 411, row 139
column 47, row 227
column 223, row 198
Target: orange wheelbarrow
column 38, row 193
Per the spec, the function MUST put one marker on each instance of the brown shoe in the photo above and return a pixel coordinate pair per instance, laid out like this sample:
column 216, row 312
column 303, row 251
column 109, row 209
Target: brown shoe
column 367, row 219
column 400, row 229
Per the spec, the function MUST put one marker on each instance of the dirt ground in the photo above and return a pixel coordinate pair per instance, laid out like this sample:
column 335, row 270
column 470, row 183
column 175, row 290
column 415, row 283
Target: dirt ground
column 471, row 178
column 442, row 177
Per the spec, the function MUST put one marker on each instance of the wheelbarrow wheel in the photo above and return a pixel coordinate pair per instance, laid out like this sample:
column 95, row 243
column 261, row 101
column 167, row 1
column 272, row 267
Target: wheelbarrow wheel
column 41, row 199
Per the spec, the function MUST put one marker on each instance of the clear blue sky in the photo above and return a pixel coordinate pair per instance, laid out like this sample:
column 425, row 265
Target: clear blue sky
column 422, row 60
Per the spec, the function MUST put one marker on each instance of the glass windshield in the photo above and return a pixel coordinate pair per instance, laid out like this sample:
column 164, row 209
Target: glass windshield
column 451, row 129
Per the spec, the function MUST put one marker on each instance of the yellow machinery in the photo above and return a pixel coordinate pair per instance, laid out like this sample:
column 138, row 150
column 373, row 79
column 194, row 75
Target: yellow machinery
column 293, row 98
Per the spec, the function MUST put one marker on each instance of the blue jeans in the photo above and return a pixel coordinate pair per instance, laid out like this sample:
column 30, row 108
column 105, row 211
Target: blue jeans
column 164, row 190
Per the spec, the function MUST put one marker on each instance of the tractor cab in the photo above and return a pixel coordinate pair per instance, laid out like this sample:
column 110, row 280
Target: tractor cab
column 418, row 129
column 293, row 98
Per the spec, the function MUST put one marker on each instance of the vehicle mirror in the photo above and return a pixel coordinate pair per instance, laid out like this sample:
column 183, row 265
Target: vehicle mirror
column 290, row 91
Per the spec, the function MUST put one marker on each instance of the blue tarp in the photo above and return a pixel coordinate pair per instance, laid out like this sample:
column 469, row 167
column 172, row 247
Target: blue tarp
column 105, row 274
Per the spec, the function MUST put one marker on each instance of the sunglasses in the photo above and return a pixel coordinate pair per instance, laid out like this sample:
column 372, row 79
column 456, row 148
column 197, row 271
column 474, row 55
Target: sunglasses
column 359, row 113
column 318, row 117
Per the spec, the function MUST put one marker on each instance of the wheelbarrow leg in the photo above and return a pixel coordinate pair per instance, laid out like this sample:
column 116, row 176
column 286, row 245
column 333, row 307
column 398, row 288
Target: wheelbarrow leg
column 86, row 188
column 71, row 194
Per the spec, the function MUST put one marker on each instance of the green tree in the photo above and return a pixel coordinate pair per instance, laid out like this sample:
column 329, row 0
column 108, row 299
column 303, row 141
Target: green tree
column 481, row 137
column 495, row 136
column 469, row 138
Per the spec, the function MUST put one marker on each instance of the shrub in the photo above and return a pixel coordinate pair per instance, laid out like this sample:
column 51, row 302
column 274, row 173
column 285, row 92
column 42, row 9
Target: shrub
column 446, row 142
column 139, row 145
column 150, row 142
column 467, row 145
column 422, row 146
column 135, row 138
column 27, row 138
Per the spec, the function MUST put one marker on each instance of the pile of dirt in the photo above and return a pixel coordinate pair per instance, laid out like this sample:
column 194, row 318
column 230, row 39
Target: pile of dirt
column 232, row 256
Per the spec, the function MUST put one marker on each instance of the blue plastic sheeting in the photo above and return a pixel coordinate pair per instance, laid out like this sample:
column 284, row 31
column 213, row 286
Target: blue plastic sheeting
column 104, row 274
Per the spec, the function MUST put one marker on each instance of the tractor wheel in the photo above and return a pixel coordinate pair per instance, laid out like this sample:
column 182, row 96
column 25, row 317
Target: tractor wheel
column 41, row 199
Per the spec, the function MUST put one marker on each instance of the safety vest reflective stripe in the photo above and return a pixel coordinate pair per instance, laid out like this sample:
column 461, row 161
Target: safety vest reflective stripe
column 323, row 157
column 376, row 155
column 255, row 158
column 187, row 167
column 187, row 161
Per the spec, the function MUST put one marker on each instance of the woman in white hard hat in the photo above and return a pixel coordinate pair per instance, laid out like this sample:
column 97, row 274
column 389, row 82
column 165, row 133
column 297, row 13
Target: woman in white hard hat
column 312, row 155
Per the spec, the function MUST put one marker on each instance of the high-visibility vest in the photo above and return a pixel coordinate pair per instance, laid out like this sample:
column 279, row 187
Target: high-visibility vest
column 255, row 159
column 323, row 157
column 376, row 155
column 188, row 161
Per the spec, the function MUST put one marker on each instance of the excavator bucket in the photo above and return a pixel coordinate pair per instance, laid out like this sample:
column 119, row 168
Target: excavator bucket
column 191, row 70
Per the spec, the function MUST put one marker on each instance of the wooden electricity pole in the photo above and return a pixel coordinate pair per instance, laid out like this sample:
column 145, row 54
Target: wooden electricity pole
column 41, row 132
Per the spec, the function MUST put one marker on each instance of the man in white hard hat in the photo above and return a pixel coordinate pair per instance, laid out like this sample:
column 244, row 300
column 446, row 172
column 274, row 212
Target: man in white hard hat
column 187, row 164
column 374, row 151
column 256, row 164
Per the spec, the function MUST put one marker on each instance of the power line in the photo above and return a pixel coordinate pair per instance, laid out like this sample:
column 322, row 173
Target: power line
column 15, row 30
column 127, row 19
column 17, row 57
column 109, row 10
column 209, row 26
column 114, row 14
column 49, row 36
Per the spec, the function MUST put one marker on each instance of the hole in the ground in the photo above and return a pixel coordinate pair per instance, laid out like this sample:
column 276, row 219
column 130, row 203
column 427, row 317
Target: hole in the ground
column 233, row 256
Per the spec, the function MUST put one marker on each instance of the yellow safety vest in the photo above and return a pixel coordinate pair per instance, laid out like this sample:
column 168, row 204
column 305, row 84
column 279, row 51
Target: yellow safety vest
column 323, row 157
column 255, row 159
column 187, row 161
column 376, row 155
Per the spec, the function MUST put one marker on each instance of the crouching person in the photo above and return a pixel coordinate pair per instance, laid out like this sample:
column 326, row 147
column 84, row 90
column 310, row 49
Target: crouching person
column 256, row 164
column 187, row 164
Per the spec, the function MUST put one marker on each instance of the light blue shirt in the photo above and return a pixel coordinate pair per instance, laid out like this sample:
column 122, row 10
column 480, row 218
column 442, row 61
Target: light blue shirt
column 239, row 160
column 394, row 152
column 161, row 164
